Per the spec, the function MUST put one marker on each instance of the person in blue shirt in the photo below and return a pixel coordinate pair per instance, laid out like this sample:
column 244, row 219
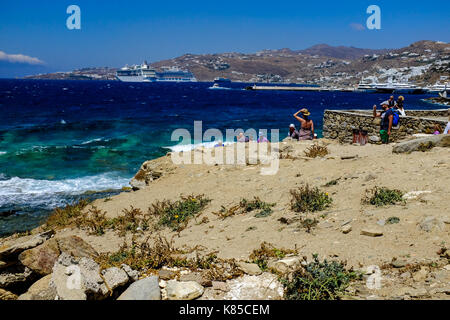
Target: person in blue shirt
column 387, row 117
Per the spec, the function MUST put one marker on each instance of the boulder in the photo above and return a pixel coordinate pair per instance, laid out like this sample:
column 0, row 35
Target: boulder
column 197, row 277
column 16, row 278
column 41, row 259
column 166, row 274
column 430, row 223
column 346, row 229
column 12, row 250
column 40, row 290
column 249, row 268
column 145, row 289
column 115, row 278
column 137, row 184
column 372, row 232
column 263, row 287
column 133, row 274
column 78, row 279
column 187, row 290
column 6, row 295
column 285, row 265
column 442, row 140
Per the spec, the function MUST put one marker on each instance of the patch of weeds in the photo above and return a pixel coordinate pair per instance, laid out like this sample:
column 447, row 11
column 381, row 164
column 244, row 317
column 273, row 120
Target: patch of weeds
column 265, row 209
column 154, row 253
column 132, row 220
column 176, row 215
column 228, row 212
column 245, row 206
column 307, row 199
column 319, row 281
column 382, row 197
column 308, row 224
column 316, row 151
column 67, row 216
column 267, row 251
column 95, row 220
column 393, row 220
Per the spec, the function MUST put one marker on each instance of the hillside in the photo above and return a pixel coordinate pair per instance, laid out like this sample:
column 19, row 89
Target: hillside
column 423, row 62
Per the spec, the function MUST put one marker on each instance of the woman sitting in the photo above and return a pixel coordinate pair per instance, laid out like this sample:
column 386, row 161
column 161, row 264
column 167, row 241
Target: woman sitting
column 306, row 125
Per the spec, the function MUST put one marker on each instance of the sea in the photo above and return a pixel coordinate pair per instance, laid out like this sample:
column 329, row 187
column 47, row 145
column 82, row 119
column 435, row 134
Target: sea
column 62, row 141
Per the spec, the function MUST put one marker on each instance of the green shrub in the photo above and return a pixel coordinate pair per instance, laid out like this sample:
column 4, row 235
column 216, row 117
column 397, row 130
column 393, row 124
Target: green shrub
column 176, row 214
column 265, row 209
column 306, row 199
column 382, row 197
column 70, row 215
column 318, row 281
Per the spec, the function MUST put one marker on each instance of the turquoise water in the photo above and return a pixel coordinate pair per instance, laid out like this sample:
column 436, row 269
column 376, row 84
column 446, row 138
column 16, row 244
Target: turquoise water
column 59, row 139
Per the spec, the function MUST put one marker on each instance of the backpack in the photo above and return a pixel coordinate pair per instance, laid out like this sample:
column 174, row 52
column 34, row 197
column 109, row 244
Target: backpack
column 396, row 118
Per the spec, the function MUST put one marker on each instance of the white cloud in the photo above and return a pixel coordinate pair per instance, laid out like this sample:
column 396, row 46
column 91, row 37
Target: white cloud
column 19, row 58
column 357, row 26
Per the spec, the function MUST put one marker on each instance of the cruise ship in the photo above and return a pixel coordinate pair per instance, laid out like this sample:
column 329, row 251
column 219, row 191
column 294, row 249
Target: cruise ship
column 390, row 87
column 145, row 73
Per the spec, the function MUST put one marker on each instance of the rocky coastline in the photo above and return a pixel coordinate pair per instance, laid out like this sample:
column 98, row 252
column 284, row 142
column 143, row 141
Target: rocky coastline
column 227, row 232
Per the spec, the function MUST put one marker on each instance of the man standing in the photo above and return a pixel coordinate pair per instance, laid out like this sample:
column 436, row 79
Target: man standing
column 387, row 117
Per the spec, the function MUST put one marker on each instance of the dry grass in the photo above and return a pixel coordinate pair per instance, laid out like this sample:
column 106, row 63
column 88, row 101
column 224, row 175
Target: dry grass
column 157, row 252
column 69, row 216
column 267, row 251
column 316, row 151
column 264, row 209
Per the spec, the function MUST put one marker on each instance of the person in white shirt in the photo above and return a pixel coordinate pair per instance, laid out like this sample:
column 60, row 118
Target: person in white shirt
column 447, row 128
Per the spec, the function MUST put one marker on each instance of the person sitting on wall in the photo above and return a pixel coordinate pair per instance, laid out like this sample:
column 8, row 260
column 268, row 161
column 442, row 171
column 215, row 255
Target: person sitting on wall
column 447, row 128
column 387, row 118
column 306, row 125
column 391, row 102
column 399, row 106
column 293, row 133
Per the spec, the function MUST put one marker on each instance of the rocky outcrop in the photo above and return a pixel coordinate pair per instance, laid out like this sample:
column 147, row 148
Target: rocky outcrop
column 150, row 171
column 41, row 259
column 6, row 295
column 187, row 290
column 423, row 144
column 263, row 287
column 40, row 290
column 145, row 289
column 80, row 279
column 10, row 251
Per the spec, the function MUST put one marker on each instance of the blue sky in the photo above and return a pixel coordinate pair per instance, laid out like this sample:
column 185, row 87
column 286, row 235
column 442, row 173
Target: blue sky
column 115, row 33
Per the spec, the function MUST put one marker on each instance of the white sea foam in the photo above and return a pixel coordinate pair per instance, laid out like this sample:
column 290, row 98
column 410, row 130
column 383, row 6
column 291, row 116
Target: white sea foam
column 3, row 152
column 93, row 140
column 31, row 192
column 189, row 147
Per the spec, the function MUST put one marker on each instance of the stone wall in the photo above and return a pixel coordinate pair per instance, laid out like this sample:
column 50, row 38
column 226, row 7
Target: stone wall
column 340, row 124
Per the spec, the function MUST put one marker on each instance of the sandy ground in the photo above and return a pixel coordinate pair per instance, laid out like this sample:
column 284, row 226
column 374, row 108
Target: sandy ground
column 237, row 236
